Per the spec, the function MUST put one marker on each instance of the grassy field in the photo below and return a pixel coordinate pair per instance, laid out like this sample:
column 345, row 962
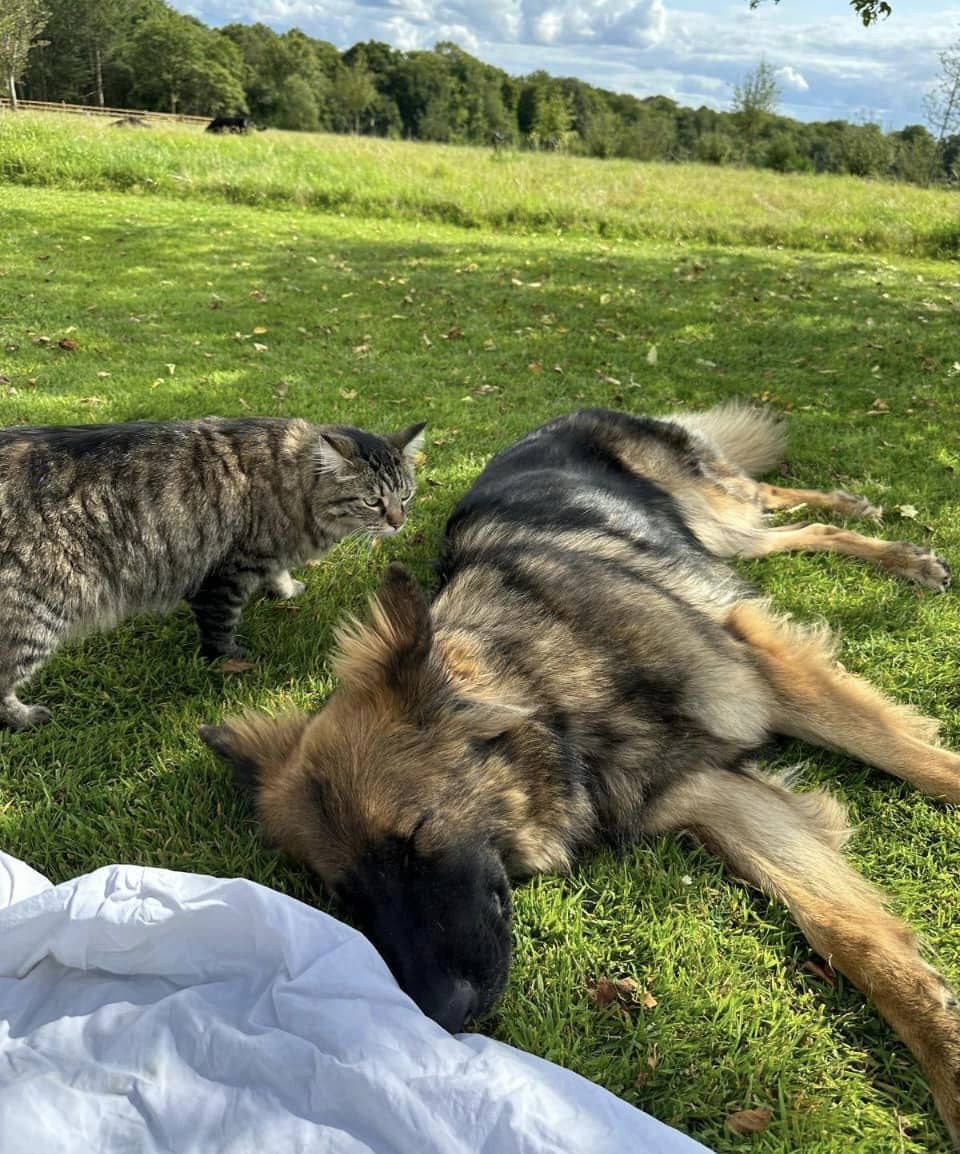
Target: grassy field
column 479, row 189
column 178, row 303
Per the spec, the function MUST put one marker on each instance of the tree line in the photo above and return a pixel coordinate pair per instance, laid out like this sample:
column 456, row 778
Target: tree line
column 142, row 54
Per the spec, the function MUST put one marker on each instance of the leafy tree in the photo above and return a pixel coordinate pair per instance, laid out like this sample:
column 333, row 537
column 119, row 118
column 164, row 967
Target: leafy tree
column 755, row 100
column 296, row 105
column 353, row 93
column 552, row 118
column 185, row 67
column 866, row 151
column 94, row 30
column 21, row 22
column 784, row 153
column 421, row 80
column 942, row 102
column 265, row 67
column 715, row 148
column 869, row 11
column 915, row 154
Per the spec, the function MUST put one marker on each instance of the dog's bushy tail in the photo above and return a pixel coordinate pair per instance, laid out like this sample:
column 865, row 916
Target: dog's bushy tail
column 754, row 440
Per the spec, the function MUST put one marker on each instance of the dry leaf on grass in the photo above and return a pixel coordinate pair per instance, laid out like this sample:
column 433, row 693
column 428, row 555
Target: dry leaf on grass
column 70, row 345
column 749, row 1121
column 622, row 991
column 236, row 665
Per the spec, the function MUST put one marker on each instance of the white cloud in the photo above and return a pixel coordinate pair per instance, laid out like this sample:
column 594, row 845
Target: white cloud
column 790, row 78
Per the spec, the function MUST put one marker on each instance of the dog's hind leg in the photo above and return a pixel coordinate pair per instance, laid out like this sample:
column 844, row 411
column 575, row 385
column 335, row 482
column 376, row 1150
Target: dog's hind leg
column 817, row 701
column 913, row 562
column 836, row 501
column 788, row 845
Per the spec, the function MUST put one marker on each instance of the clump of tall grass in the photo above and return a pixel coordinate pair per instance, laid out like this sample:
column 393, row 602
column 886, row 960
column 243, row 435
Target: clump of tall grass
column 470, row 187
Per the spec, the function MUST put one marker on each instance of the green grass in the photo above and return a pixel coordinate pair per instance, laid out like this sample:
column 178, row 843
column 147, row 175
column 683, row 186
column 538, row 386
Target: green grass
column 478, row 188
column 386, row 315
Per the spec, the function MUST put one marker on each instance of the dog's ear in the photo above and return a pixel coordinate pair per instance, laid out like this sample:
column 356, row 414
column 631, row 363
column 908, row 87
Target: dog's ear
column 393, row 644
column 487, row 720
column 252, row 745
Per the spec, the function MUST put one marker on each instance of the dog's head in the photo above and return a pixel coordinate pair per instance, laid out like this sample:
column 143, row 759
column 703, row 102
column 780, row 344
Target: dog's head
column 396, row 793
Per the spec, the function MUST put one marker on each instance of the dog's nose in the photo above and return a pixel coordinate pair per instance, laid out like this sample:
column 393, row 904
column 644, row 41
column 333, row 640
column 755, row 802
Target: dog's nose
column 456, row 1007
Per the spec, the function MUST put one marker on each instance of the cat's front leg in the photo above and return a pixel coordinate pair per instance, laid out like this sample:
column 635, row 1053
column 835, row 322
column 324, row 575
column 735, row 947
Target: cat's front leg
column 217, row 606
column 284, row 586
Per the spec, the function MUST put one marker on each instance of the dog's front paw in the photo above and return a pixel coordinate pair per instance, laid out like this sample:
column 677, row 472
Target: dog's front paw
column 850, row 505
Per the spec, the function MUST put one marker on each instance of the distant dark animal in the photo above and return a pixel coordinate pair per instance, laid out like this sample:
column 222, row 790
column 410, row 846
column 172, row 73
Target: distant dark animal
column 98, row 522
column 591, row 672
column 130, row 122
column 231, row 124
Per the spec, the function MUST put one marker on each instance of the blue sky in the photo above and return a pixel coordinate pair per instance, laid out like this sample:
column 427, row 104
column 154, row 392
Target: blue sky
column 691, row 50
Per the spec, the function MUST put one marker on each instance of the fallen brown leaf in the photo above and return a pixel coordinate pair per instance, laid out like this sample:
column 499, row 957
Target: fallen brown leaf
column 620, row 991
column 749, row 1121
column 69, row 344
column 236, row 665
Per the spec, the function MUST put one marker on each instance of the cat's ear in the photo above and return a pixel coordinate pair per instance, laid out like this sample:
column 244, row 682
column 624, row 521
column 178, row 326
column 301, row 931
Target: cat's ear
column 334, row 456
column 410, row 442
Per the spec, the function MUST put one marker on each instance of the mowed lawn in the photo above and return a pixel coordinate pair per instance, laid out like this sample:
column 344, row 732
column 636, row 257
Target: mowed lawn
column 155, row 302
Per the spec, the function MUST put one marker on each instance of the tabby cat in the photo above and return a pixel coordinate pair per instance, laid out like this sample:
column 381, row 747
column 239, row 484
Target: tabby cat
column 98, row 522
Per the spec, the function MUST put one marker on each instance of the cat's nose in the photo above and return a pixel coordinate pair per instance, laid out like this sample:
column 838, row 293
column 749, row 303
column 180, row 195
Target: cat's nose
column 394, row 515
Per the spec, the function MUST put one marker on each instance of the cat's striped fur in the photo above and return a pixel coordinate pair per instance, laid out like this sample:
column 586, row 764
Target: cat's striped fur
column 98, row 522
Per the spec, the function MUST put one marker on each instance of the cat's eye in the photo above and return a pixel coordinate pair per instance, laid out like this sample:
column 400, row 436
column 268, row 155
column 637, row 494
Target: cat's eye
column 372, row 502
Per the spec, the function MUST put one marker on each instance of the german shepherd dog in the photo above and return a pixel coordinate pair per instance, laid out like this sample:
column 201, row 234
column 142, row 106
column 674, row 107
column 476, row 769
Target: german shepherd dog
column 591, row 672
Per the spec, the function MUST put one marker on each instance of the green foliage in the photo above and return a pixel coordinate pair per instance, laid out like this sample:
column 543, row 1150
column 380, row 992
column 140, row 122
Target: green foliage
column 21, row 22
column 353, row 93
column 755, row 99
column 942, row 102
column 181, row 65
column 297, row 106
column 552, row 118
column 141, row 53
column 869, row 11
column 794, row 291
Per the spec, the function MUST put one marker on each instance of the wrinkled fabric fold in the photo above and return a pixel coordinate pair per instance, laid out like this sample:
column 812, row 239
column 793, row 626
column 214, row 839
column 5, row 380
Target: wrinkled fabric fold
column 147, row 1010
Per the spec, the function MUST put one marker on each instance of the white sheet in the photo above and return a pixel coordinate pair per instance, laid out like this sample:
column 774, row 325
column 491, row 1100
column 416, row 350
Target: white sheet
column 146, row 1010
